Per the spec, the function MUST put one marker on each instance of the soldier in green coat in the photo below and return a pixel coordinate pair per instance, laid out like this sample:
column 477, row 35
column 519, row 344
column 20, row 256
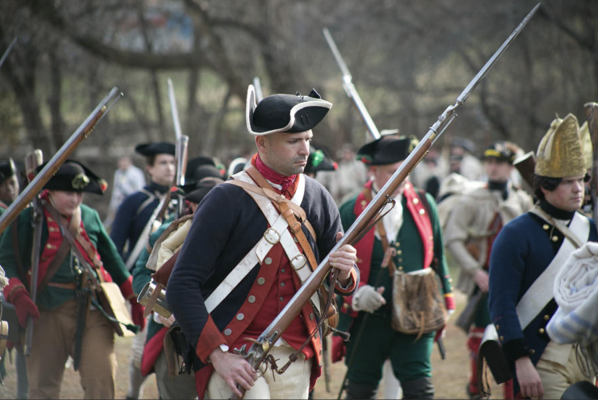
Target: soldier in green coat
column 411, row 238
column 64, row 324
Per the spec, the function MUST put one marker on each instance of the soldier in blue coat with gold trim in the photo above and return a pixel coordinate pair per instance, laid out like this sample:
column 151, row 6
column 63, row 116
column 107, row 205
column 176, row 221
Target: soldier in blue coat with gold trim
column 525, row 258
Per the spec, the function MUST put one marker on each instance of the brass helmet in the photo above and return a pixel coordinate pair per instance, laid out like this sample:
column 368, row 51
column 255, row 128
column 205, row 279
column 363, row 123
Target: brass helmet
column 560, row 152
column 586, row 145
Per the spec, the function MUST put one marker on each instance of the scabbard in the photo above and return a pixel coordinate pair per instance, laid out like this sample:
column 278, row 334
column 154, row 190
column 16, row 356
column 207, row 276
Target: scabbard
column 83, row 299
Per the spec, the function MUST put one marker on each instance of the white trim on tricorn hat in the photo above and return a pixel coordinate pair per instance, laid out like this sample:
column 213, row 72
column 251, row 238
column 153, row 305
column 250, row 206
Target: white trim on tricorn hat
column 303, row 102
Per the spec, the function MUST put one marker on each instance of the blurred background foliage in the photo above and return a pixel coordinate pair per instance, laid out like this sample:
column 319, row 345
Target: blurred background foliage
column 409, row 61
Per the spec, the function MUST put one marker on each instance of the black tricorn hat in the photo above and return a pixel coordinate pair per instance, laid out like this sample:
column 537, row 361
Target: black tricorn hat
column 201, row 174
column 7, row 169
column 151, row 149
column 502, row 151
column 319, row 161
column 284, row 112
column 202, row 189
column 72, row 176
column 193, row 164
column 389, row 149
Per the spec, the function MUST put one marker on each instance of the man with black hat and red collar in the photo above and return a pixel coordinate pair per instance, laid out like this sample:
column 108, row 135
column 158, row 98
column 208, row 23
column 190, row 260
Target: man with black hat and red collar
column 9, row 184
column 241, row 262
column 471, row 228
column 527, row 255
column 63, row 280
column 407, row 239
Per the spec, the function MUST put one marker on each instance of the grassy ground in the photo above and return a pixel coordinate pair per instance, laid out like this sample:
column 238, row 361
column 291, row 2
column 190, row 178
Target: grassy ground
column 450, row 375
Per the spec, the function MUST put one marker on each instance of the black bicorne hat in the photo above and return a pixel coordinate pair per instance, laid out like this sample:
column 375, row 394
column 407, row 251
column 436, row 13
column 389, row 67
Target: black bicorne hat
column 7, row 169
column 202, row 189
column 389, row 149
column 151, row 149
column 72, row 176
column 502, row 151
column 319, row 161
column 284, row 112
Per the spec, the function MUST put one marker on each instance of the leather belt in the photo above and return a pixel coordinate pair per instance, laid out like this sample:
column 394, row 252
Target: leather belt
column 66, row 285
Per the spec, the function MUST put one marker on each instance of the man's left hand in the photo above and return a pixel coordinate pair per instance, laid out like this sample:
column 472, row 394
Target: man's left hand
column 343, row 259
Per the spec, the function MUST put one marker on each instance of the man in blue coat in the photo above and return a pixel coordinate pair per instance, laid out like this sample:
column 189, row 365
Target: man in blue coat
column 237, row 269
column 526, row 257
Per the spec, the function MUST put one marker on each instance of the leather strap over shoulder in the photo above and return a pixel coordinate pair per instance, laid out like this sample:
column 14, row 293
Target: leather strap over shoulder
column 277, row 200
column 383, row 238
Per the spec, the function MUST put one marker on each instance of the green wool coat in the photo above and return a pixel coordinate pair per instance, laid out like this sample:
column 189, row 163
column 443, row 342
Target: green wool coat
column 52, row 297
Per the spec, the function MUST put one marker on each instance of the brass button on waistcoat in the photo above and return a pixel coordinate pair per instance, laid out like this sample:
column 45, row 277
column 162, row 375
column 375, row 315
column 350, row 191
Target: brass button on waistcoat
column 555, row 238
column 240, row 316
column 532, row 352
column 502, row 338
column 546, row 317
column 251, row 299
column 400, row 268
column 261, row 281
column 422, row 211
column 541, row 331
column 268, row 261
column 546, row 227
column 415, row 201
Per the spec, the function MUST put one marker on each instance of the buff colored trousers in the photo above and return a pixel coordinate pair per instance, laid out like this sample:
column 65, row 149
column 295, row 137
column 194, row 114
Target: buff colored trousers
column 54, row 341
column 293, row 384
column 556, row 378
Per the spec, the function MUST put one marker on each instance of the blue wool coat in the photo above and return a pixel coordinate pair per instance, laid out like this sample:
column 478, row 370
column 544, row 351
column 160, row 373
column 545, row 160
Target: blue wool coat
column 523, row 249
column 226, row 226
column 131, row 218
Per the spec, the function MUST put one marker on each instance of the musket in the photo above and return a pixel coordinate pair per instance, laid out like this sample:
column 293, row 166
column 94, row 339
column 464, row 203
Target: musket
column 592, row 116
column 32, row 161
column 260, row 349
column 5, row 55
column 182, row 142
column 350, row 87
column 59, row 158
column 259, row 95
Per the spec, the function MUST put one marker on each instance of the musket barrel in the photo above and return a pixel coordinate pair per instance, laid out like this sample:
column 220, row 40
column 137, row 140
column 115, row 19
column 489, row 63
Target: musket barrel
column 58, row 159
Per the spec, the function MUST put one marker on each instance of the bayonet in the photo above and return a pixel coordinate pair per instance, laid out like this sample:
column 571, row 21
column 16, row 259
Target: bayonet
column 259, row 95
column 182, row 142
column 350, row 87
column 5, row 55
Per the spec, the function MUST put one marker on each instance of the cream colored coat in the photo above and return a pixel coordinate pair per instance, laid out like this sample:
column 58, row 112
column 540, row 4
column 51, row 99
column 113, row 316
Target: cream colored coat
column 469, row 223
